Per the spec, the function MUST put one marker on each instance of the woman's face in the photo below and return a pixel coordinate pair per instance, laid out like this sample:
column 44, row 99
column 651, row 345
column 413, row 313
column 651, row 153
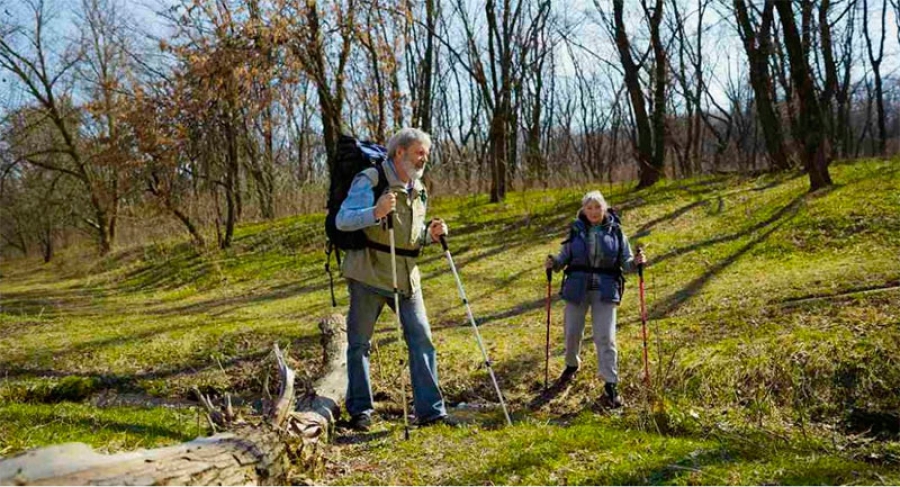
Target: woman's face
column 594, row 212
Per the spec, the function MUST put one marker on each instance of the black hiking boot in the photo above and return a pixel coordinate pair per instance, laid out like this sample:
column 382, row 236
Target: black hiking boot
column 568, row 374
column 611, row 399
column 361, row 423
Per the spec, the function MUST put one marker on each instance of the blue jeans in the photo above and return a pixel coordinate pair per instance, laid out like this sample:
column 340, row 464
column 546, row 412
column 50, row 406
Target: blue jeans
column 366, row 304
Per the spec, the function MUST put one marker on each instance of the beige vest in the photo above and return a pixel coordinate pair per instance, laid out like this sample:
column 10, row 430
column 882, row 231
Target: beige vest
column 373, row 267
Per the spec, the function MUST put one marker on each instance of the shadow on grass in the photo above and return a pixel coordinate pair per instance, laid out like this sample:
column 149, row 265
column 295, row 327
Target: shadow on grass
column 128, row 382
column 225, row 305
column 304, row 349
column 95, row 424
column 43, row 303
column 168, row 272
column 674, row 301
column 644, row 230
column 348, row 436
column 788, row 210
column 554, row 390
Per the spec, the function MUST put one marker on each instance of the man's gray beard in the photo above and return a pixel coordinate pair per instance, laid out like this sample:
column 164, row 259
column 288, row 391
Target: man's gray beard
column 411, row 170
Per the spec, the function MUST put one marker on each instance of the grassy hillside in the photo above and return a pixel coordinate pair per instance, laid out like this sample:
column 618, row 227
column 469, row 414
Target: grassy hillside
column 774, row 330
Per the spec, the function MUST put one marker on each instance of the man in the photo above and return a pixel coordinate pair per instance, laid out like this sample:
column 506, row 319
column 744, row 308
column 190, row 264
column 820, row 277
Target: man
column 370, row 279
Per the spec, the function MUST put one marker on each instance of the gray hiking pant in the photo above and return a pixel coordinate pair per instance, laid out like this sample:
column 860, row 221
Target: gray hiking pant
column 603, row 321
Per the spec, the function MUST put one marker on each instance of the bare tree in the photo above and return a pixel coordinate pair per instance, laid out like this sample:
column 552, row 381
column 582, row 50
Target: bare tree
column 312, row 48
column 875, row 58
column 812, row 121
column 757, row 39
column 46, row 79
column 650, row 124
column 496, row 70
column 422, row 62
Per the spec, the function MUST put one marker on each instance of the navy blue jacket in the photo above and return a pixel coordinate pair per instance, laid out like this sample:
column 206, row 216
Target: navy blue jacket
column 607, row 263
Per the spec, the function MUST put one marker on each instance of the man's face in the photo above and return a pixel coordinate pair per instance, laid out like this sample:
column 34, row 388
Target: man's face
column 413, row 159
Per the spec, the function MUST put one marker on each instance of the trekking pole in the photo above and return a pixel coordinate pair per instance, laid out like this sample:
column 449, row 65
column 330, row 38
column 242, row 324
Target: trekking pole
column 390, row 222
column 462, row 295
column 643, row 321
column 547, row 341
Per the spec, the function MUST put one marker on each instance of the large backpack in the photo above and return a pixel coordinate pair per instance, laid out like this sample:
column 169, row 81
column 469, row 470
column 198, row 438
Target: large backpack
column 353, row 157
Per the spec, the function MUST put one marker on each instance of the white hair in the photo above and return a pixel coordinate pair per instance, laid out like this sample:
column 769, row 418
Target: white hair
column 596, row 197
column 406, row 137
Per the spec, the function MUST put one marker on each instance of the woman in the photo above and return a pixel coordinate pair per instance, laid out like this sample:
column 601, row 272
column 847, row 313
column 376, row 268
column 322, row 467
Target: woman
column 594, row 257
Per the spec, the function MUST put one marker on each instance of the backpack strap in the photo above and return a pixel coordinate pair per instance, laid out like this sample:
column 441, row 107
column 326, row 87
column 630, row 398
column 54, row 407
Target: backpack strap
column 620, row 265
column 592, row 270
column 621, row 246
column 378, row 188
column 387, row 249
column 381, row 182
column 329, row 248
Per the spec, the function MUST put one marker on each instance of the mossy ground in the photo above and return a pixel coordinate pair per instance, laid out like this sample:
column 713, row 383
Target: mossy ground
column 774, row 337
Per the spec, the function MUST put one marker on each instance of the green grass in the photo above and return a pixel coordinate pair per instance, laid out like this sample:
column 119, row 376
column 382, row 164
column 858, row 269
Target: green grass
column 111, row 429
column 774, row 315
column 593, row 450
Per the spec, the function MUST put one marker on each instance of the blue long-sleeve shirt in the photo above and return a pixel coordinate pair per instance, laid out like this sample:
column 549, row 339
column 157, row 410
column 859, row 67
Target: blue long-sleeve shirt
column 358, row 209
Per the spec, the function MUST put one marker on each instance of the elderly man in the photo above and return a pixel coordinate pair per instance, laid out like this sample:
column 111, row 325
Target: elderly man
column 369, row 276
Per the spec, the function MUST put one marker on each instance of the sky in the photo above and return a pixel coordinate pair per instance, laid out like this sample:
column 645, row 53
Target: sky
column 722, row 47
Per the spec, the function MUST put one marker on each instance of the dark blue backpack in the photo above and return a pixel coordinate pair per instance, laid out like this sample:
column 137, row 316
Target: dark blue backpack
column 353, row 157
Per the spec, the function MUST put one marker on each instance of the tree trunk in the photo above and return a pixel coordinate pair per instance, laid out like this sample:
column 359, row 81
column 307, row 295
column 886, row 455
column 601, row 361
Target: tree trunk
column 257, row 454
column 875, row 60
column 757, row 46
column 498, row 143
column 101, row 226
column 47, row 246
column 311, row 53
column 830, row 87
column 648, row 173
column 423, row 104
column 816, row 153
column 233, row 204
column 660, row 81
column 192, row 229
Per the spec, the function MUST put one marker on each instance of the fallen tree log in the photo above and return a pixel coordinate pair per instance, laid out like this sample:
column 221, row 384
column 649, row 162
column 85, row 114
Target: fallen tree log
column 252, row 452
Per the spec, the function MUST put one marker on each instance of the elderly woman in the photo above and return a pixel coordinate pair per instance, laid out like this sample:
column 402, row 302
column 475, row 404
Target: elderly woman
column 594, row 257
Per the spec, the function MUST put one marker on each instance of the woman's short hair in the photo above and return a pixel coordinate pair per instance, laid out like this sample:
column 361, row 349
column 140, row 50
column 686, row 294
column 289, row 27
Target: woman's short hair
column 406, row 137
column 596, row 197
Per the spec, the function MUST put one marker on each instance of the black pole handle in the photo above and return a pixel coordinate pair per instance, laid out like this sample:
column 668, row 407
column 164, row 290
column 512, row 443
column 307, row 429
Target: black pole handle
column 443, row 239
column 640, row 267
column 390, row 220
column 549, row 271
